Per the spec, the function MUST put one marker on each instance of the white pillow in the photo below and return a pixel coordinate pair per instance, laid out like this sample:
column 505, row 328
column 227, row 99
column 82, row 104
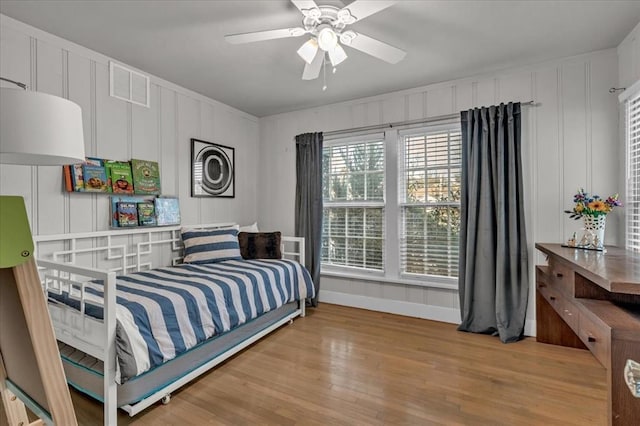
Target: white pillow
column 250, row 228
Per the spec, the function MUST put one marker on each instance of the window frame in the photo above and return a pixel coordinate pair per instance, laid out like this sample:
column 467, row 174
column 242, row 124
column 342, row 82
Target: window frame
column 632, row 240
column 391, row 272
column 336, row 269
column 402, row 203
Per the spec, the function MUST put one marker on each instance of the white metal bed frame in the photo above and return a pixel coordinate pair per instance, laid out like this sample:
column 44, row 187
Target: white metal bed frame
column 121, row 251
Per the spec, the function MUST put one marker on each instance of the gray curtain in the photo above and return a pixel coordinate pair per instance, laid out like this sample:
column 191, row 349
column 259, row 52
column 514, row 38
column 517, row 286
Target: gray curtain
column 493, row 269
column 309, row 201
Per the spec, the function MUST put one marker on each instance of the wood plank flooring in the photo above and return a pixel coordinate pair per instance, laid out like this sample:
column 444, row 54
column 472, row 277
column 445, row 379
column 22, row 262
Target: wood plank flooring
column 345, row 366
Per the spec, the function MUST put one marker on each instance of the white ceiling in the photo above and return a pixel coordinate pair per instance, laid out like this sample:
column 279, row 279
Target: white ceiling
column 182, row 41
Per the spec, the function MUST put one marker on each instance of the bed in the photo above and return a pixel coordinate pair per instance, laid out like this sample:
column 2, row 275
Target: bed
column 132, row 330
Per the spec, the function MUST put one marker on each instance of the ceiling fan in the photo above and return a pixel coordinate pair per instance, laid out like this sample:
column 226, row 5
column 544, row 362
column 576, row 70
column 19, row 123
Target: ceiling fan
column 327, row 26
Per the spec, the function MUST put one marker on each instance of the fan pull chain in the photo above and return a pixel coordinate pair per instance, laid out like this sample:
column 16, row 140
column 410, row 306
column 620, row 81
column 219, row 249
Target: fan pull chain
column 324, row 72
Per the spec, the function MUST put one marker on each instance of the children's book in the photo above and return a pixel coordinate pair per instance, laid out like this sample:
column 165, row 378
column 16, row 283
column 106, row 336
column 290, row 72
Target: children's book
column 167, row 211
column 66, row 175
column 95, row 178
column 94, row 161
column 147, row 214
column 121, row 179
column 146, row 177
column 115, row 199
column 107, row 169
column 127, row 214
column 76, row 177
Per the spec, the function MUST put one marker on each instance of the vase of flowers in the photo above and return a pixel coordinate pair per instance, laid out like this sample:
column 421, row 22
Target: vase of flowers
column 593, row 210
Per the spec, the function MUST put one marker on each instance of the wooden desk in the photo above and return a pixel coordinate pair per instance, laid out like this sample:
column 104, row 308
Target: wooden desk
column 591, row 300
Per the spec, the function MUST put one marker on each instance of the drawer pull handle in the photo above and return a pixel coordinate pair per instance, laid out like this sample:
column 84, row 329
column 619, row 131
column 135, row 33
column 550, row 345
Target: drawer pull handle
column 541, row 285
column 552, row 298
column 559, row 275
column 591, row 339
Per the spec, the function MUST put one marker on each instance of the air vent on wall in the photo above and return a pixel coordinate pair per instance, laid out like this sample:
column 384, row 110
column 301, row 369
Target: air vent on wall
column 128, row 85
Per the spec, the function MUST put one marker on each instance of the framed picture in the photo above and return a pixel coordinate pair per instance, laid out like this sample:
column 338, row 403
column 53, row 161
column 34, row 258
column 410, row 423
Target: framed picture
column 212, row 170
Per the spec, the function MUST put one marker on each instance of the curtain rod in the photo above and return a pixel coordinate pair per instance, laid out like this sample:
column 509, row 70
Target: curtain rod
column 403, row 123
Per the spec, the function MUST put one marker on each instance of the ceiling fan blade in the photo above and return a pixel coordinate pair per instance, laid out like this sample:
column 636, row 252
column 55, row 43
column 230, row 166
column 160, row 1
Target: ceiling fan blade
column 305, row 5
column 312, row 70
column 376, row 48
column 264, row 35
column 360, row 9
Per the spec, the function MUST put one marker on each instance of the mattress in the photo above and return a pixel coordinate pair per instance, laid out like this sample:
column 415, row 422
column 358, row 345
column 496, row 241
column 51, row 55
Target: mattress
column 164, row 312
column 85, row 372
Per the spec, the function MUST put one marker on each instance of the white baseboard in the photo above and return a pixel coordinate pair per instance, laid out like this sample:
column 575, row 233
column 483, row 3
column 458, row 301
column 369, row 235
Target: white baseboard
column 530, row 327
column 417, row 310
column 398, row 307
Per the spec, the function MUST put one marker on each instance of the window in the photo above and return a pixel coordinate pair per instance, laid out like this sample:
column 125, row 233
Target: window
column 353, row 194
column 412, row 239
column 429, row 192
column 632, row 203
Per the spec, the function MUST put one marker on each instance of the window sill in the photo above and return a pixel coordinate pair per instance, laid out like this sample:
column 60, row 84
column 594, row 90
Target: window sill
column 444, row 283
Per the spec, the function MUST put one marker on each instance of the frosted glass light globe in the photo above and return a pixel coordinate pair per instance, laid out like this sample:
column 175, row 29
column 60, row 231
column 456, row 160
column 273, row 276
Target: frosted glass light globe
column 327, row 39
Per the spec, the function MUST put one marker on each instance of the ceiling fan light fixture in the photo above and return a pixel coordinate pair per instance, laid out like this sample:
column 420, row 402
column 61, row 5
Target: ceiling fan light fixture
column 308, row 50
column 327, row 39
column 337, row 55
column 346, row 17
column 347, row 37
column 313, row 13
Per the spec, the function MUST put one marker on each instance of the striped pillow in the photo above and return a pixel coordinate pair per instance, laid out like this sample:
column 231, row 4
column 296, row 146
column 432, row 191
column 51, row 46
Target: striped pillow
column 210, row 246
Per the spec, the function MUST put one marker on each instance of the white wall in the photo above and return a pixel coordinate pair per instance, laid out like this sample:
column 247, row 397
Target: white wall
column 570, row 137
column 629, row 58
column 118, row 130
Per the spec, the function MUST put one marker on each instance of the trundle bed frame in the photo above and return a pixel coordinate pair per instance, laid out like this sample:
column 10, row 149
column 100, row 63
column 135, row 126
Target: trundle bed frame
column 88, row 345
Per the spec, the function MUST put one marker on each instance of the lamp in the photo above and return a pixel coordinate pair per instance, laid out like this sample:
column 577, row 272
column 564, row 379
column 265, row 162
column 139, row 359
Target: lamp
column 35, row 129
column 308, row 50
column 327, row 38
column 337, row 55
column 39, row 129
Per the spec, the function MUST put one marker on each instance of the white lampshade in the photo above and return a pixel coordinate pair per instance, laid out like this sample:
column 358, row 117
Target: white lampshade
column 308, row 50
column 337, row 55
column 39, row 129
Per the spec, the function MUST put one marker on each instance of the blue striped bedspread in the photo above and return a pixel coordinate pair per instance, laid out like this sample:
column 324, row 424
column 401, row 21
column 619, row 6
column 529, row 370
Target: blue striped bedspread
column 164, row 312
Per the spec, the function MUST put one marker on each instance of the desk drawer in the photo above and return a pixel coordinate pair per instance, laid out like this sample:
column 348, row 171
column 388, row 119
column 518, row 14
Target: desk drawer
column 553, row 296
column 597, row 337
column 561, row 277
column 570, row 314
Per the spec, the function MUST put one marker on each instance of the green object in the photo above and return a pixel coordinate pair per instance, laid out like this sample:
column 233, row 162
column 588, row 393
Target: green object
column 121, row 178
column 147, row 214
column 146, row 177
column 16, row 244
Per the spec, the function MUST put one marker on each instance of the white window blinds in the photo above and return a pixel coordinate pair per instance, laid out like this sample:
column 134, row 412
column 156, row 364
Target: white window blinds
column 353, row 197
column 429, row 190
column 632, row 201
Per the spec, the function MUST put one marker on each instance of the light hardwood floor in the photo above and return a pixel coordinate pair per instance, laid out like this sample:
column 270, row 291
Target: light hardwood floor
column 349, row 366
